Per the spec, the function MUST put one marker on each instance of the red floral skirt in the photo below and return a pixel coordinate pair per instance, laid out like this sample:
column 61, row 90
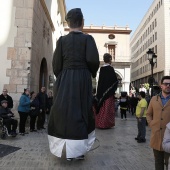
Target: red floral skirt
column 106, row 116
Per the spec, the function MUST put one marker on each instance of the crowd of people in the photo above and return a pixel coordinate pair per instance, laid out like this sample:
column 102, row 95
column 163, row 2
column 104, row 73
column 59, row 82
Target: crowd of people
column 76, row 110
column 32, row 105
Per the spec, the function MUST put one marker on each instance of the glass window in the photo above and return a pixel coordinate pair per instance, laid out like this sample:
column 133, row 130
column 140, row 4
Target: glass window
column 155, row 49
column 155, row 23
column 155, row 36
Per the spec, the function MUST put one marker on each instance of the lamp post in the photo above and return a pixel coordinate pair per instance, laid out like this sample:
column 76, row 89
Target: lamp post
column 152, row 57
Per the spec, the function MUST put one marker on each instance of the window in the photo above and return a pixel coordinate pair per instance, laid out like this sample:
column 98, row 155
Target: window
column 155, row 49
column 155, row 36
column 111, row 51
column 155, row 23
column 151, row 40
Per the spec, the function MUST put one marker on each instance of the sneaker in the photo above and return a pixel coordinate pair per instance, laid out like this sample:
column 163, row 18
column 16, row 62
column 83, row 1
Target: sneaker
column 22, row 134
column 69, row 159
column 141, row 141
column 80, row 157
column 136, row 138
column 77, row 158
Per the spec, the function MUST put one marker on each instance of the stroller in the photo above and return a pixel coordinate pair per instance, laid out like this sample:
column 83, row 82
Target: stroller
column 4, row 131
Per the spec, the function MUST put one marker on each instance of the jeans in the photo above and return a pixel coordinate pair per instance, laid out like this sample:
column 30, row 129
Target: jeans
column 32, row 122
column 123, row 113
column 141, row 128
column 23, row 118
column 41, row 119
column 133, row 109
column 161, row 159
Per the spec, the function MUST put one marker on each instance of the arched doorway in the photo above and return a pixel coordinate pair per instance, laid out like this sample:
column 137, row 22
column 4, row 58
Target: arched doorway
column 43, row 74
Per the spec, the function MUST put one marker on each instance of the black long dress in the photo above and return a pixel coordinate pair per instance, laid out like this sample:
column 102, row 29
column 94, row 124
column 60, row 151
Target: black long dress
column 75, row 61
column 107, row 85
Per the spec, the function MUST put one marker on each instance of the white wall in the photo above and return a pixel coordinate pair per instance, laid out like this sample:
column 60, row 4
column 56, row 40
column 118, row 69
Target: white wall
column 122, row 47
column 7, row 33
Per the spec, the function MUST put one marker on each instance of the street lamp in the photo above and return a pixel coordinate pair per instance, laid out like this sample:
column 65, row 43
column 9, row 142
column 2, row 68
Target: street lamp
column 152, row 57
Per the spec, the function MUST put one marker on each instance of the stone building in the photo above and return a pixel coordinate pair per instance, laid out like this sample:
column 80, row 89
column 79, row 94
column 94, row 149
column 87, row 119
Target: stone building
column 152, row 33
column 29, row 31
column 116, row 41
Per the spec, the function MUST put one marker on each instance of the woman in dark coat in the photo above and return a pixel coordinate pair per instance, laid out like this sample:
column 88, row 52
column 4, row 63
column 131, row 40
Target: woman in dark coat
column 71, row 120
column 107, row 85
column 34, row 111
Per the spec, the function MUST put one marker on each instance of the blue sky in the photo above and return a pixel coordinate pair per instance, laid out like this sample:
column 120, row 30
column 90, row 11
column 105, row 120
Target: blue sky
column 111, row 12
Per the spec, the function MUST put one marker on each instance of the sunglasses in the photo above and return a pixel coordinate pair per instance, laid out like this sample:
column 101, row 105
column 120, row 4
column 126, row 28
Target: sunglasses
column 166, row 84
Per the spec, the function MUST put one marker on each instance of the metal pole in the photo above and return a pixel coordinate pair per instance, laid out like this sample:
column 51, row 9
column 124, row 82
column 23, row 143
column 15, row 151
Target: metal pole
column 152, row 65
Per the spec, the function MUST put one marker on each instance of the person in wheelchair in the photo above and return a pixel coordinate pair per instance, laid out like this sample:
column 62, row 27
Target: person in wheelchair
column 7, row 117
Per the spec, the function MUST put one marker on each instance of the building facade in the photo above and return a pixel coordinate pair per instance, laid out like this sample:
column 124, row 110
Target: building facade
column 116, row 41
column 29, row 31
column 152, row 33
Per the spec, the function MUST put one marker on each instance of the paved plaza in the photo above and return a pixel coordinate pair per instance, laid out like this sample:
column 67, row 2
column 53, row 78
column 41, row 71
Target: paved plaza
column 115, row 149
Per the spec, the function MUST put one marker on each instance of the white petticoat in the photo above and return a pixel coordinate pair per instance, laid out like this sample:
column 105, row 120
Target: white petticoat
column 74, row 148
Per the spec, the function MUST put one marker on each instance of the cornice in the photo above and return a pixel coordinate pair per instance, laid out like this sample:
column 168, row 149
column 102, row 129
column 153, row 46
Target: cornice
column 104, row 31
column 47, row 14
column 118, row 64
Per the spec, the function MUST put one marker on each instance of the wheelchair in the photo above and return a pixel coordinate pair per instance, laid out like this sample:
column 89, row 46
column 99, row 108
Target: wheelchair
column 4, row 131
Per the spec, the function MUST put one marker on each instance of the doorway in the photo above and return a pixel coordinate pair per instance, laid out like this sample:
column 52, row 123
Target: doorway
column 43, row 74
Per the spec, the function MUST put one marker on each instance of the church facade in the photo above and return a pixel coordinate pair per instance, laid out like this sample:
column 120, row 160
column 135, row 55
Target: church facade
column 116, row 41
column 30, row 29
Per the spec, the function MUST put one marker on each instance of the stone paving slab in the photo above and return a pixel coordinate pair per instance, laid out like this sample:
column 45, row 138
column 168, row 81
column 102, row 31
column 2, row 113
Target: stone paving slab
column 116, row 149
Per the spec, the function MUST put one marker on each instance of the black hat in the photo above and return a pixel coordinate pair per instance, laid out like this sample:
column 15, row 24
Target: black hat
column 74, row 14
column 4, row 101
